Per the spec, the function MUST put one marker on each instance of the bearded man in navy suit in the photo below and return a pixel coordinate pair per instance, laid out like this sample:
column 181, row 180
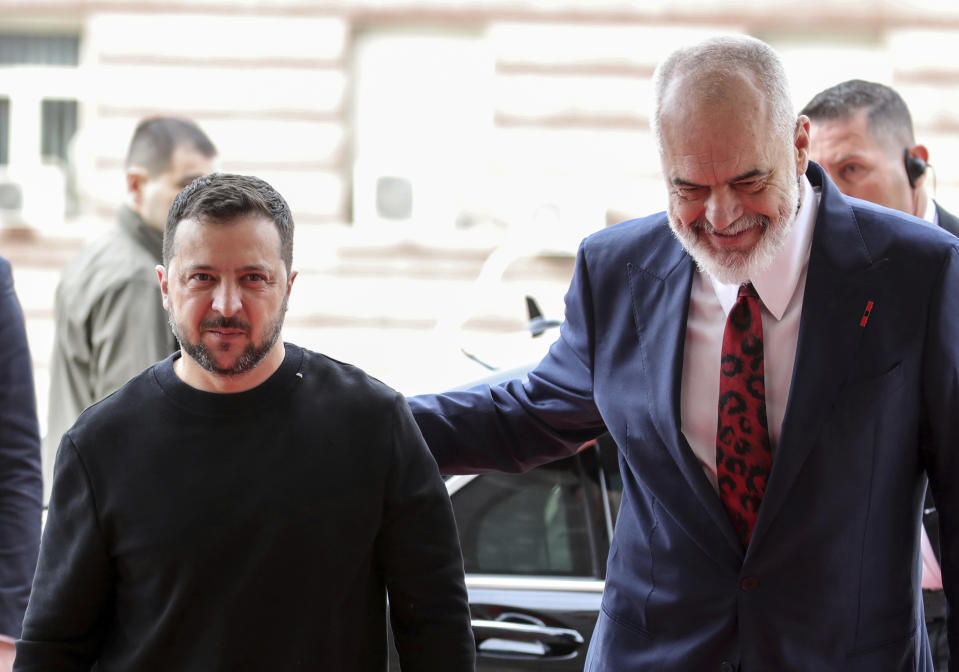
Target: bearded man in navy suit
column 859, row 381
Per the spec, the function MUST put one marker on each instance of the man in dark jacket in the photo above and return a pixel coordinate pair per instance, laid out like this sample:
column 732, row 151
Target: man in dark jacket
column 861, row 133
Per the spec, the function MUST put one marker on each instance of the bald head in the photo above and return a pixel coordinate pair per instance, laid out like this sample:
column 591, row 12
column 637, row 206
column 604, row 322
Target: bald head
column 711, row 72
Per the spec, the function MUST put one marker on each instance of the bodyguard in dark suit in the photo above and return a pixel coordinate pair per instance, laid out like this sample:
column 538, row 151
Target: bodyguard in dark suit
column 20, row 481
column 861, row 133
column 778, row 365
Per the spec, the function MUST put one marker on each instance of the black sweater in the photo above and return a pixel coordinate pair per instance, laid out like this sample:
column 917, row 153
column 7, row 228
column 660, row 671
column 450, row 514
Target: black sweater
column 252, row 531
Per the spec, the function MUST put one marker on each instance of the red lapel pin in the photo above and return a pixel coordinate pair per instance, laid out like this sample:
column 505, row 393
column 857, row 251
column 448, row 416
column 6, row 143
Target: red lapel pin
column 865, row 314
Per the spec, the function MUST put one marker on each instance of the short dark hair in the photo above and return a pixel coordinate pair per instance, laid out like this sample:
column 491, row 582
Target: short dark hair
column 886, row 112
column 220, row 197
column 156, row 138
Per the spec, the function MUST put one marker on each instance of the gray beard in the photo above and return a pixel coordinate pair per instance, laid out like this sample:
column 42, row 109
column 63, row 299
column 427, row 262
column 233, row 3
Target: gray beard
column 739, row 268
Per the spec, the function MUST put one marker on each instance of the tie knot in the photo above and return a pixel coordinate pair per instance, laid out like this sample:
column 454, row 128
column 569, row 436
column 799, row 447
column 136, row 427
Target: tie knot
column 748, row 290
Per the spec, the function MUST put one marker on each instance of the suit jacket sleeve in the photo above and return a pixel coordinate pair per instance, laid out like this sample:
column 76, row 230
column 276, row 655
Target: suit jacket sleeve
column 69, row 608
column 20, row 481
column 941, row 429
column 419, row 551
column 521, row 424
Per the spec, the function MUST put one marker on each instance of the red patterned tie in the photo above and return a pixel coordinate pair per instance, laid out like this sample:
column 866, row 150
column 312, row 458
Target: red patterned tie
column 743, row 456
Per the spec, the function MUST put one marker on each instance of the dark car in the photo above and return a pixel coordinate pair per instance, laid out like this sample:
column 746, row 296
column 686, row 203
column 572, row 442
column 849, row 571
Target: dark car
column 534, row 548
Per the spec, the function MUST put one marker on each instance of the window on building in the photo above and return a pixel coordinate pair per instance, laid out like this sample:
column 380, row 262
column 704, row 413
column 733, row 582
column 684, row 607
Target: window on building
column 39, row 116
column 57, row 127
column 39, row 49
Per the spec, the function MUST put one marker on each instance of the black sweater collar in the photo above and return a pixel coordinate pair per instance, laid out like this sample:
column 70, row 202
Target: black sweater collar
column 268, row 393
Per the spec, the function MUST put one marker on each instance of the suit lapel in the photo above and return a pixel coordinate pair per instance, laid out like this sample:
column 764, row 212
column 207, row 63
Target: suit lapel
column 660, row 288
column 842, row 278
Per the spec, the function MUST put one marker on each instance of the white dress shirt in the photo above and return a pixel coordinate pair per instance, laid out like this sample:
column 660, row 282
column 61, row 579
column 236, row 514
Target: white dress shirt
column 931, row 571
column 931, row 215
column 780, row 288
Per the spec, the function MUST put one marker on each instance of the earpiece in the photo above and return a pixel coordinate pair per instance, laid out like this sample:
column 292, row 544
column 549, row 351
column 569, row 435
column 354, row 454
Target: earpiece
column 915, row 167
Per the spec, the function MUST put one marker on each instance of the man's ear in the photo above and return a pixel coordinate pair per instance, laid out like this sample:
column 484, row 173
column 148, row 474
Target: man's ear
column 164, row 285
column 136, row 178
column 916, row 161
column 801, row 142
column 289, row 283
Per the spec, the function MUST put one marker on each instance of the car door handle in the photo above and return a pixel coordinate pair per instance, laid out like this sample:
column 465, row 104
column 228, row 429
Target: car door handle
column 537, row 641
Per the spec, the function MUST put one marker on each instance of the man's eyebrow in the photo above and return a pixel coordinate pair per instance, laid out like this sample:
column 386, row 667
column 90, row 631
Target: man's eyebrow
column 748, row 175
column 848, row 156
column 261, row 268
column 185, row 271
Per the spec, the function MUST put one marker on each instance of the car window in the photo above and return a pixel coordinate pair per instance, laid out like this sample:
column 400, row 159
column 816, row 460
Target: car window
column 611, row 480
column 537, row 523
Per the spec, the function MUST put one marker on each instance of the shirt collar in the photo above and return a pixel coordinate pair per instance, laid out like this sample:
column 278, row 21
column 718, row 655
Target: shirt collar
column 777, row 284
column 930, row 215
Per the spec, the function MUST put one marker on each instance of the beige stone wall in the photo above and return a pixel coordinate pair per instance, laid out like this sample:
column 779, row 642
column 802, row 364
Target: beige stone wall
column 551, row 139
column 273, row 82
column 270, row 90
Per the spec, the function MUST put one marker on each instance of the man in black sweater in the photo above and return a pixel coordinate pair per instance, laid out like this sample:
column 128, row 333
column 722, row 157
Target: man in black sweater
column 244, row 504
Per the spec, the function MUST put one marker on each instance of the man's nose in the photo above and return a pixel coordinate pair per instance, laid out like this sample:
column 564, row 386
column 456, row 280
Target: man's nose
column 723, row 207
column 226, row 299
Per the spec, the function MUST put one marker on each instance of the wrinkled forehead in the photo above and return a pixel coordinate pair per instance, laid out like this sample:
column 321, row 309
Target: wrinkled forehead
column 711, row 131
column 707, row 97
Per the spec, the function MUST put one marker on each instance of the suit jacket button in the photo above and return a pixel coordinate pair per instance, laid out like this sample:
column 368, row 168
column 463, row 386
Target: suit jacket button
column 726, row 666
column 749, row 584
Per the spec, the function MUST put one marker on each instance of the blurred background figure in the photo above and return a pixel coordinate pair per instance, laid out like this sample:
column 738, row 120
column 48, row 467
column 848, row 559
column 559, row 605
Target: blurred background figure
column 20, row 485
column 110, row 322
column 861, row 133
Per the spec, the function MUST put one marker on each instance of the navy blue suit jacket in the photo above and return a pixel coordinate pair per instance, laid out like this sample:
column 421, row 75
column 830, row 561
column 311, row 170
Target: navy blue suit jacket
column 830, row 581
column 21, row 487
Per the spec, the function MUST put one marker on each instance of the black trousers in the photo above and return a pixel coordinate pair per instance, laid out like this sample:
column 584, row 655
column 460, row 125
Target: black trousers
column 934, row 604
